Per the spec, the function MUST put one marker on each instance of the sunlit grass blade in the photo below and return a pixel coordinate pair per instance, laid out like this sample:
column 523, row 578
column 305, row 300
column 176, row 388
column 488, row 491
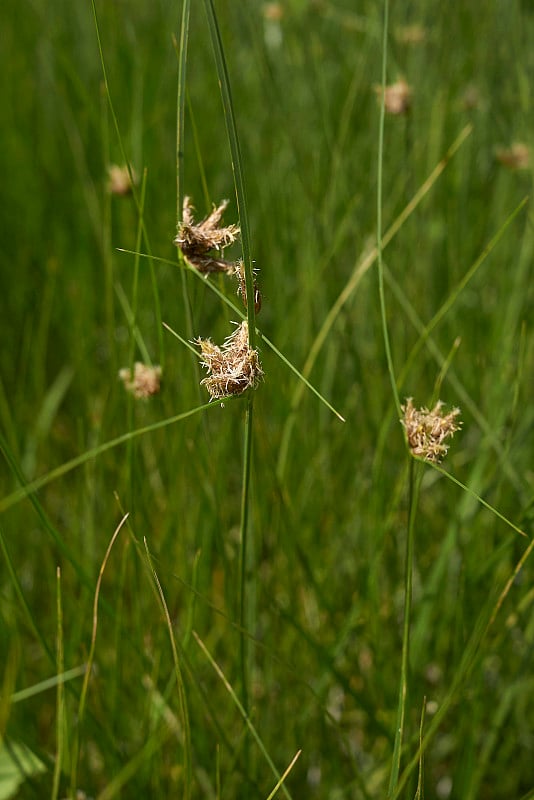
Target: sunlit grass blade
column 60, row 695
column 420, row 792
column 464, row 398
column 363, row 265
column 130, row 318
column 479, row 499
column 33, row 486
column 242, row 712
column 90, row 661
column 284, row 775
column 184, row 713
column 485, row 620
column 456, row 292
column 49, row 683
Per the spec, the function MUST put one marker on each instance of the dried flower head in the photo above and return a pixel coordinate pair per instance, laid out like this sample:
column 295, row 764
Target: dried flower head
column 411, row 34
column 197, row 240
column 143, row 382
column 242, row 288
column 119, row 179
column 273, row 11
column 397, row 97
column 427, row 430
column 515, row 157
column 233, row 368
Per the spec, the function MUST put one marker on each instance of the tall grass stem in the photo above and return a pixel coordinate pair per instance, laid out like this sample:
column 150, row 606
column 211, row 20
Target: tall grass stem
column 414, row 480
column 379, row 201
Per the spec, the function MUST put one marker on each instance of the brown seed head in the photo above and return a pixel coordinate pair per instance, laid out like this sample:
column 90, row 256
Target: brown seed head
column 515, row 157
column 273, row 11
column 411, row 34
column 197, row 240
column 233, row 368
column 397, row 97
column 427, row 431
column 119, row 181
column 144, row 382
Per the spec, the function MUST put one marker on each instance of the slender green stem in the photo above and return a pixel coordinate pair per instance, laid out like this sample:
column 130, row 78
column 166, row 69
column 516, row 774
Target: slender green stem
column 135, row 193
column 60, row 692
column 29, row 488
column 246, row 719
column 379, row 242
column 413, row 493
column 182, row 697
column 132, row 321
column 237, row 162
column 90, row 661
column 237, row 166
column 245, row 491
column 180, row 108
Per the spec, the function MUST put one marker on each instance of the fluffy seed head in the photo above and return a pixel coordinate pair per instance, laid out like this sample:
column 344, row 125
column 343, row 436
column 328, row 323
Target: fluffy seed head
column 119, row 180
column 143, row 382
column 397, row 97
column 197, row 240
column 427, row 431
column 517, row 156
column 233, row 368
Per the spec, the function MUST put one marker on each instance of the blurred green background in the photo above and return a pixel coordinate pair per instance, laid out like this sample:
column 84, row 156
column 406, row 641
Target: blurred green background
column 328, row 519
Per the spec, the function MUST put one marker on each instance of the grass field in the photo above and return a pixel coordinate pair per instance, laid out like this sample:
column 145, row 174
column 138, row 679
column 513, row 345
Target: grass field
column 284, row 584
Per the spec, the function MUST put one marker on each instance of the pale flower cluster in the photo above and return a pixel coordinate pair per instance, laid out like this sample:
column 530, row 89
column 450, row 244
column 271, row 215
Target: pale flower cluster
column 198, row 240
column 143, row 382
column 427, row 431
column 233, row 368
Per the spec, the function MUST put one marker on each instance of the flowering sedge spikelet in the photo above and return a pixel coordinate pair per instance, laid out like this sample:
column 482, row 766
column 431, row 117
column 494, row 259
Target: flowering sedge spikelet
column 197, row 240
column 143, row 381
column 120, row 179
column 517, row 156
column 397, row 97
column 233, row 368
column 427, row 431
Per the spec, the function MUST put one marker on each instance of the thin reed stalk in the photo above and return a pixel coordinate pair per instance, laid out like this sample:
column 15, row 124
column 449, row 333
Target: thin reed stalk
column 135, row 194
column 60, row 693
column 90, row 661
column 414, row 483
column 240, row 189
column 379, row 245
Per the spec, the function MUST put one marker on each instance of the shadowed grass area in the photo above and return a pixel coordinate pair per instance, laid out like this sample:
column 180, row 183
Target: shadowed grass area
column 252, row 604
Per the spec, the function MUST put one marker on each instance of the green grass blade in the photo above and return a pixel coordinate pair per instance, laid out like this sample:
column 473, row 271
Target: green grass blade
column 260, row 334
column 33, row 486
column 243, row 713
column 237, row 162
column 180, row 108
column 179, row 680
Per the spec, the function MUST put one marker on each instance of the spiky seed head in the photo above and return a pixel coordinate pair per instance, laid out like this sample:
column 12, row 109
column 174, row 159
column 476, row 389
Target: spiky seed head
column 197, row 240
column 397, row 97
column 120, row 179
column 143, row 382
column 427, row 431
column 233, row 368
column 517, row 156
